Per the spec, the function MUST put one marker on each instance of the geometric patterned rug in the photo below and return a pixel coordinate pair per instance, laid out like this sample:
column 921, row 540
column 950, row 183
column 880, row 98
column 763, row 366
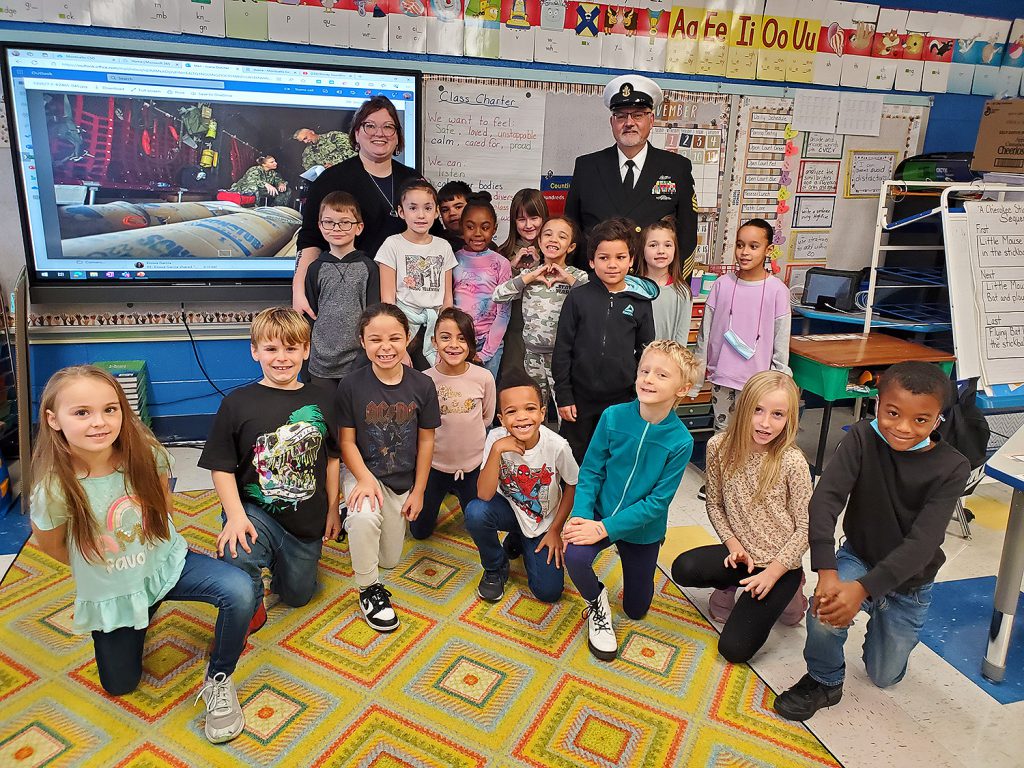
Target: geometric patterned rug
column 461, row 683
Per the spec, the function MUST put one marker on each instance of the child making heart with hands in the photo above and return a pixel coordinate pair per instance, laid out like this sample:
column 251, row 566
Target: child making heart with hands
column 527, row 213
column 543, row 290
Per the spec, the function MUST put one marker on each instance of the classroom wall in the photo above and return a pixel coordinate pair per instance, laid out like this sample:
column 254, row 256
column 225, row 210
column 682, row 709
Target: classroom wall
column 182, row 389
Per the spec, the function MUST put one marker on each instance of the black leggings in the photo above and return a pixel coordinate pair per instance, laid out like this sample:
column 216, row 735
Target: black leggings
column 751, row 620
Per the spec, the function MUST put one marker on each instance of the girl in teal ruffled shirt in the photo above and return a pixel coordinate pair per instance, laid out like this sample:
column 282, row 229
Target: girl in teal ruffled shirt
column 102, row 505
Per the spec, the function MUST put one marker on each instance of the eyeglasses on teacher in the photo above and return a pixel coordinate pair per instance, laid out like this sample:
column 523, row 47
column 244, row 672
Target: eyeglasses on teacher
column 388, row 129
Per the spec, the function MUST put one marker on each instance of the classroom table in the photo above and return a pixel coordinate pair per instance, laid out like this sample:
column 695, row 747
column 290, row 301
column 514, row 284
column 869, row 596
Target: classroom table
column 822, row 363
column 1005, row 468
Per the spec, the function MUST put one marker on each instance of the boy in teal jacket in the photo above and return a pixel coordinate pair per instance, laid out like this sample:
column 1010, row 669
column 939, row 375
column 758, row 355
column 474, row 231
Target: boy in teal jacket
column 631, row 472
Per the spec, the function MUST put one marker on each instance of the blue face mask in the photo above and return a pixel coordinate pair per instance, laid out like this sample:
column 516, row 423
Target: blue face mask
column 923, row 444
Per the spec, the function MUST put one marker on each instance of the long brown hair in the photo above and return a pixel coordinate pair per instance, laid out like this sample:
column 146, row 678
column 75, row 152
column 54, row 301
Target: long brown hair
column 738, row 444
column 525, row 202
column 675, row 268
column 134, row 451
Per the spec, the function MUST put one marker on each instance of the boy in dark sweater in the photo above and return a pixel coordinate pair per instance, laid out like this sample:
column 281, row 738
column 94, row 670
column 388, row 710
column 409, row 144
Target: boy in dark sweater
column 340, row 284
column 602, row 331
column 899, row 483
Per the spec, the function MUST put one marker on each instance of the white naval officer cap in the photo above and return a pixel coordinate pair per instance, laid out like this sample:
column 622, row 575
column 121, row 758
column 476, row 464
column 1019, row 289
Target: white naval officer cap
column 633, row 91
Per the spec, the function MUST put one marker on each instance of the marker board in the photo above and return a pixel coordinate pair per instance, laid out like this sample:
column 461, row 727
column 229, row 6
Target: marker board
column 985, row 265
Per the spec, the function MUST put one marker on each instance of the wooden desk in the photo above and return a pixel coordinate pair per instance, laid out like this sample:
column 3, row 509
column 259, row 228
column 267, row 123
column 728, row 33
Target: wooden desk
column 822, row 363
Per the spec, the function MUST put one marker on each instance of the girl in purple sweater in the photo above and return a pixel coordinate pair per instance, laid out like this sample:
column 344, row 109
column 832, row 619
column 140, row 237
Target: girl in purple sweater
column 478, row 272
column 746, row 322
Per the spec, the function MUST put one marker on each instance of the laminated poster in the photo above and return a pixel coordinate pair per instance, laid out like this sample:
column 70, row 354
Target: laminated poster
column 966, row 54
column 618, row 51
column 887, row 49
column 288, row 22
column 116, row 14
column 368, row 26
column 551, row 41
column 203, row 18
column 159, row 16
column 713, row 41
column 583, row 20
column 938, row 52
column 245, row 19
column 445, row 29
column 21, row 10
column 519, row 20
column 911, row 67
column 741, row 63
column 987, row 71
column 407, row 26
column 1013, row 61
column 859, row 37
column 774, row 41
column 329, row 24
column 651, row 37
column 67, row 12
column 482, row 36
column 682, row 51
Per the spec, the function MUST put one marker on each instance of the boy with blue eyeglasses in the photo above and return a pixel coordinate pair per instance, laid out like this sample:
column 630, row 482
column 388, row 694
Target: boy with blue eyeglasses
column 899, row 483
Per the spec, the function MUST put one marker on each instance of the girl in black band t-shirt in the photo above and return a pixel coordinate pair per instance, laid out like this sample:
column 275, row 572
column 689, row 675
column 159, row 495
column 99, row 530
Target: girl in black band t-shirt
column 387, row 414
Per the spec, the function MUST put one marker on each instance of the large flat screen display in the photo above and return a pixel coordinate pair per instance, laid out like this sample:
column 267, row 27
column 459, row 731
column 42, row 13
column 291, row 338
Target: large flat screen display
column 146, row 176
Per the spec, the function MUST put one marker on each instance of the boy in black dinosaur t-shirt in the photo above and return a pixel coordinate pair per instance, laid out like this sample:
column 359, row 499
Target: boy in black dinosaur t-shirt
column 275, row 460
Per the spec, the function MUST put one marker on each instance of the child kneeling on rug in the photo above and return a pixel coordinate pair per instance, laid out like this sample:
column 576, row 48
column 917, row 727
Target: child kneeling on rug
column 520, row 491
column 758, row 486
column 631, row 472
column 102, row 504
column 274, row 459
column 387, row 413
column 899, row 483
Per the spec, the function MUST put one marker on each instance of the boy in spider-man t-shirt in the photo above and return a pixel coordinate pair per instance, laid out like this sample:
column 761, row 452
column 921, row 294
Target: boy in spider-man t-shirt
column 520, row 490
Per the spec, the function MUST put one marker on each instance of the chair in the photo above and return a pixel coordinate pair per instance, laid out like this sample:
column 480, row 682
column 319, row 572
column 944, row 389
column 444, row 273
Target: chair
column 961, row 513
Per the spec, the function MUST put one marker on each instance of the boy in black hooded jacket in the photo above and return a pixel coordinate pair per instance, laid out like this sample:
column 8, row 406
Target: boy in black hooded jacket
column 602, row 331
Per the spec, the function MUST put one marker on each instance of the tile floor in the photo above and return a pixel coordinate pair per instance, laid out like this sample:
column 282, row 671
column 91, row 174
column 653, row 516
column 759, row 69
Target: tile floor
column 935, row 717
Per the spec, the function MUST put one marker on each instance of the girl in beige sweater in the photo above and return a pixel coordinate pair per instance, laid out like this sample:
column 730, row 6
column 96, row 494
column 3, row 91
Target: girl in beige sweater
column 758, row 488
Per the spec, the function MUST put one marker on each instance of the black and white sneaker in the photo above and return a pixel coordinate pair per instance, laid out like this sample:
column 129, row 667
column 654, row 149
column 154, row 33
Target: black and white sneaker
column 702, row 494
column 375, row 601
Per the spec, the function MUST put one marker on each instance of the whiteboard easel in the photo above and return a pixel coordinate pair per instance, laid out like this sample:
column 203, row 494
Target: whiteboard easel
column 966, row 299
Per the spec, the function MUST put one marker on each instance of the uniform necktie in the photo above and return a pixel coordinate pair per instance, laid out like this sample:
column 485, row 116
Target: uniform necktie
column 629, row 181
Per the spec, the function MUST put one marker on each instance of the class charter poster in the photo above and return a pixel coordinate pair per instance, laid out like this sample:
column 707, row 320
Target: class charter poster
column 490, row 137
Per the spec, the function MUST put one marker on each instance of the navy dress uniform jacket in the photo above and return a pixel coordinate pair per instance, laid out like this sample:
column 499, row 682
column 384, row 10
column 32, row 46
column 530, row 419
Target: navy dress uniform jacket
column 665, row 188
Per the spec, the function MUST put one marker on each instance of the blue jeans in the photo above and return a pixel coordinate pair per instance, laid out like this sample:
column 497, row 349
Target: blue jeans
column 202, row 580
column 893, row 630
column 639, row 562
column 494, row 364
column 439, row 485
column 292, row 561
column 483, row 521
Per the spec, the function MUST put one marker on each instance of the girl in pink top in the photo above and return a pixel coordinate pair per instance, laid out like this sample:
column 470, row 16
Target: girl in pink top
column 746, row 322
column 478, row 272
column 466, row 395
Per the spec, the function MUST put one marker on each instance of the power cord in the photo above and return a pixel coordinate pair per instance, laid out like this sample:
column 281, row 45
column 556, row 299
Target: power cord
column 195, row 351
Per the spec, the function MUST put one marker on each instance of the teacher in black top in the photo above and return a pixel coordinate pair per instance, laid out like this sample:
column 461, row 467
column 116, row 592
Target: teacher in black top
column 373, row 177
column 633, row 178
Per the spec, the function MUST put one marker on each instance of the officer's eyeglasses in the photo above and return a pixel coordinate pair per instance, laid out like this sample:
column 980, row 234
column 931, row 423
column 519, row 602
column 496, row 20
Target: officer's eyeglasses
column 636, row 117
column 388, row 129
column 341, row 226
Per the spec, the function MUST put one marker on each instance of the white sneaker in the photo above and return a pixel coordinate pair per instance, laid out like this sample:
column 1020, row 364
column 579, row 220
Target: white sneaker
column 376, row 605
column 224, row 716
column 600, row 633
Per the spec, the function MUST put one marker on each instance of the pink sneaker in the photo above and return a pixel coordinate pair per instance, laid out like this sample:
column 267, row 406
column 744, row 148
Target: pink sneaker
column 721, row 603
column 797, row 608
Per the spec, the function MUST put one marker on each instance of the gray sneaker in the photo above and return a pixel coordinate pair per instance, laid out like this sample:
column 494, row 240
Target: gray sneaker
column 224, row 716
